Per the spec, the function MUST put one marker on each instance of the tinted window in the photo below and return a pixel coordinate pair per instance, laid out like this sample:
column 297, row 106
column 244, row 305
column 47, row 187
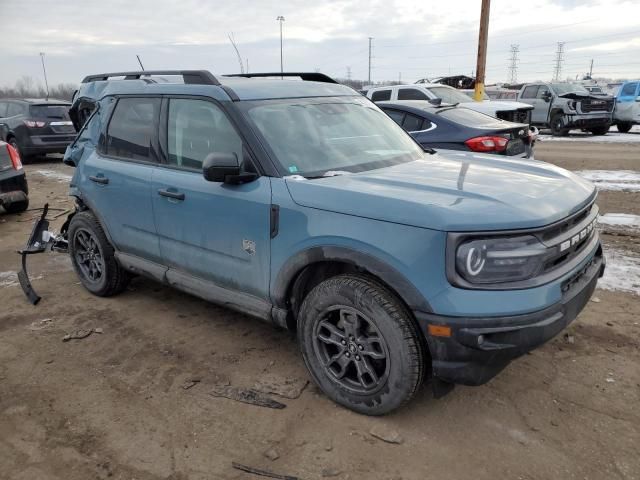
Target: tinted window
column 14, row 109
column 131, row 128
column 411, row 94
column 412, row 123
column 629, row 89
column 381, row 95
column 449, row 95
column 542, row 91
column 3, row 109
column 54, row 112
column 530, row 91
column 466, row 117
column 395, row 115
column 197, row 128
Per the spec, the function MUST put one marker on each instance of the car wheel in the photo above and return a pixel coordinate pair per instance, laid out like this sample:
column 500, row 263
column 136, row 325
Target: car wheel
column 361, row 345
column 600, row 130
column 93, row 257
column 624, row 127
column 16, row 207
column 557, row 126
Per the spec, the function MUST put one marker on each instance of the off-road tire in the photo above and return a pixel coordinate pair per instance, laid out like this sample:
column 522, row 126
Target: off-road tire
column 16, row 207
column 624, row 127
column 600, row 130
column 114, row 278
column 394, row 325
column 557, row 130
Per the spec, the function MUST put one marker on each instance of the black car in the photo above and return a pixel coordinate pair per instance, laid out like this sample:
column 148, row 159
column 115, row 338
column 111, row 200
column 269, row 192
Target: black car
column 13, row 183
column 36, row 127
column 458, row 128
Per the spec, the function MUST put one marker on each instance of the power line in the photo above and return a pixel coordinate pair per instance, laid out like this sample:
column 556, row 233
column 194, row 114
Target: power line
column 513, row 65
column 559, row 59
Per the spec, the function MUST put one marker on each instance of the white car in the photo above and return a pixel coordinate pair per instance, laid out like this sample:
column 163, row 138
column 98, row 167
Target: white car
column 510, row 111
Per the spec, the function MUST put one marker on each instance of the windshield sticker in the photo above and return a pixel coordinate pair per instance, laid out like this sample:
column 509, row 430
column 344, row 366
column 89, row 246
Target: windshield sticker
column 293, row 169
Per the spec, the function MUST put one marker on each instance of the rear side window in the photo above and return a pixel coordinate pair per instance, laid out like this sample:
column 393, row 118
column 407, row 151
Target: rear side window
column 381, row 95
column 412, row 123
column 53, row 112
column 395, row 115
column 131, row 128
column 530, row 91
column 197, row 128
column 629, row 89
column 411, row 94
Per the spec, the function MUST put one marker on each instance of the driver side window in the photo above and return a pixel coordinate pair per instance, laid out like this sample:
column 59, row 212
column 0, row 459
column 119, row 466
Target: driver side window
column 542, row 91
column 197, row 128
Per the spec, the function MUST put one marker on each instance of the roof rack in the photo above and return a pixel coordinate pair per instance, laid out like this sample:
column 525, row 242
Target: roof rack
column 306, row 76
column 199, row 77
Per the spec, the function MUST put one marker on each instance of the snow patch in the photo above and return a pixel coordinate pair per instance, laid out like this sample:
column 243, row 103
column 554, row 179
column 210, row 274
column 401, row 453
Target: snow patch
column 8, row 279
column 623, row 221
column 612, row 137
column 617, row 180
column 59, row 176
column 622, row 272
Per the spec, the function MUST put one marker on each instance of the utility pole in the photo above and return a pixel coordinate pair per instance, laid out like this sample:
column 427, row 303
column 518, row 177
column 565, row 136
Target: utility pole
column 513, row 65
column 369, row 80
column 559, row 59
column 247, row 65
column 140, row 62
column 591, row 70
column 235, row 47
column 281, row 19
column 399, row 78
column 349, row 73
column 482, row 50
column 44, row 70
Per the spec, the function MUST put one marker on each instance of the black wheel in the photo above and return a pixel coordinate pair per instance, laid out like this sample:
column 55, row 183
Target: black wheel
column 16, row 207
column 557, row 126
column 361, row 345
column 600, row 130
column 624, row 127
column 93, row 257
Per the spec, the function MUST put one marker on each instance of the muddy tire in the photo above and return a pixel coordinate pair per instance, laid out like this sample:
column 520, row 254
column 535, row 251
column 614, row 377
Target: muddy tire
column 557, row 126
column 93, row 257
column 16, row 207
column 361, row 345
column 624, row 127
column 600, row 130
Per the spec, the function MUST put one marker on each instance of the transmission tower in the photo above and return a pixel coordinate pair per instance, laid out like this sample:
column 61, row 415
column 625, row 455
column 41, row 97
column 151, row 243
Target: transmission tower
column 348, row 73
column 559, row 59
column 513, row 64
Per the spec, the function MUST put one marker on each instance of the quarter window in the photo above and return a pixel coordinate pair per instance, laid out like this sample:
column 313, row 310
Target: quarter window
column 381, row 95
column 14, row 109
column 395, row 116
column 197, row 128
column 530, row 91
column 411, row 94
column 131, row 128
column 412, row 123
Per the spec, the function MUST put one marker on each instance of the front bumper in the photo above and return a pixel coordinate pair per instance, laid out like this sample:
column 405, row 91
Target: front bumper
column 13, row 187
column 588, row 121
column 479, row 348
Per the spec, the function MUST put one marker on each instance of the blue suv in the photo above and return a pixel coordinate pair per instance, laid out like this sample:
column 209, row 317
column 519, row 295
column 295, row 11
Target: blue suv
column 298, row 201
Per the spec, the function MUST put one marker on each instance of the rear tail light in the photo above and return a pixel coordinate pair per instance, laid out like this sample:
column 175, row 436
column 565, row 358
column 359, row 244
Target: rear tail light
column 15, row 157
column 487, row 144
column 34, row 123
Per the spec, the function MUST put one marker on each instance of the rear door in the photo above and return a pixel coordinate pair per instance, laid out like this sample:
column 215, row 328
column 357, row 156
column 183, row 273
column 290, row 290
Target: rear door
column 210, row 230
column 627, row 104
column 115, row 179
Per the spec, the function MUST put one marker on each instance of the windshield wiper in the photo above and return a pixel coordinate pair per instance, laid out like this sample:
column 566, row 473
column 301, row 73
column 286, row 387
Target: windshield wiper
column 329, row 173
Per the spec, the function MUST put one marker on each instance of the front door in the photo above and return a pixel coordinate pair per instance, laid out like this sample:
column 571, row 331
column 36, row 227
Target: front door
column 627, row 105
column 213, row 231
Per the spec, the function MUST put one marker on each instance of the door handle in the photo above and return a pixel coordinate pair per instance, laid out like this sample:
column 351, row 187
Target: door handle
column 99, row 179
column 170, row 194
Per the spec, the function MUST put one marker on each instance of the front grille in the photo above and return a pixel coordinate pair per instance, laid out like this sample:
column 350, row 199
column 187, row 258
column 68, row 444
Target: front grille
column 517, row 116
column 591, row 105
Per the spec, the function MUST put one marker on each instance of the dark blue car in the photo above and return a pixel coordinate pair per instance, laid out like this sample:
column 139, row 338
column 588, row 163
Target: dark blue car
column 457, row 128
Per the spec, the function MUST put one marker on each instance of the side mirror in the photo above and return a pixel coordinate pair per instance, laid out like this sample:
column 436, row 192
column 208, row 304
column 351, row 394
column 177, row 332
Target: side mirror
column 546, row 96
column 224, row 167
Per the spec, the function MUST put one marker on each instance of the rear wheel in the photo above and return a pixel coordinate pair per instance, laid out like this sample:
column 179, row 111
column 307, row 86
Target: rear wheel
column 557, row 125
column 16, row 207
column 361, row 345
column 600, row 130
column 624, row 127
column 93, row 257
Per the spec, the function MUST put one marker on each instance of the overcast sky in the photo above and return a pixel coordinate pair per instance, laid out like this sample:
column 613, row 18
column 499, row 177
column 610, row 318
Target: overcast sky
column 414, row 39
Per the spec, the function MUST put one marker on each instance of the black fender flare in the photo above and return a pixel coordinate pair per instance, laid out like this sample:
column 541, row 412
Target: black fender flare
column 397, row 282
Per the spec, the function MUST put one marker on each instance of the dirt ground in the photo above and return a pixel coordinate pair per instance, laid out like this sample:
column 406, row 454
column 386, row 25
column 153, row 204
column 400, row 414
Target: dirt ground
column 114, row 405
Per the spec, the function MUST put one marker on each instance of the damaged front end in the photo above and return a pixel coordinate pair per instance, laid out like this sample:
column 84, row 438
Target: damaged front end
column 41, row 240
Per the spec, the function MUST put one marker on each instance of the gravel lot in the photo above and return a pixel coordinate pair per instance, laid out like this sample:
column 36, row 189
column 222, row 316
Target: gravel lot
column 134, row 401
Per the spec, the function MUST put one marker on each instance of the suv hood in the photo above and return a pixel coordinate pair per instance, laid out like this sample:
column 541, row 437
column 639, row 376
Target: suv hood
column 467, row 192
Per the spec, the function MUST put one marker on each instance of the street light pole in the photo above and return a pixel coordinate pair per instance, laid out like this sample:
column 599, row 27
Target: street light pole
column 281, row 19
column 44, row 70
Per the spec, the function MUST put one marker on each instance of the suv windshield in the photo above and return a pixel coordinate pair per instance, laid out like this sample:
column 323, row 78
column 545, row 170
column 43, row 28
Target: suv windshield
column 315, row 135
column 58, row 112
column 562, row 88
column 450, row 95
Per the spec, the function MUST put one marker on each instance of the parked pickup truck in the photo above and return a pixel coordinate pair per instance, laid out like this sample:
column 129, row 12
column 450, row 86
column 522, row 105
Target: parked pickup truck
column 627, row 112
column 564, row 106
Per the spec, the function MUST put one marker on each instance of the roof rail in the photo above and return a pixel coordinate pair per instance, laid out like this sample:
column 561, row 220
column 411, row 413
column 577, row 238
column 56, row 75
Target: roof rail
column 200, row 77
column 306, row 76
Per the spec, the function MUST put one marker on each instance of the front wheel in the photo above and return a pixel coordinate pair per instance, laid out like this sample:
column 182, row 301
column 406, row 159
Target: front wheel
column 600, row 130
column 361, row 345
column 93, row 257
column 557, row 126
column 624, row 127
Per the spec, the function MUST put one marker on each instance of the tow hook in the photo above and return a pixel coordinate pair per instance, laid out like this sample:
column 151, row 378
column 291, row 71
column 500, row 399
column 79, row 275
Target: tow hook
column 41, row 240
